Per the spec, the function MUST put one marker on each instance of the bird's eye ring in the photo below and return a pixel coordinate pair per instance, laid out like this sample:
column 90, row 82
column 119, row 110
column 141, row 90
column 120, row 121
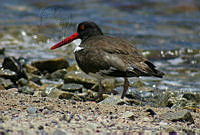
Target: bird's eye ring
column 82, row 27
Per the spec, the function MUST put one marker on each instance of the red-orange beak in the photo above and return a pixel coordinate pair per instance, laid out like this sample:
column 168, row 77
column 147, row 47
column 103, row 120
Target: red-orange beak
column 65, row 41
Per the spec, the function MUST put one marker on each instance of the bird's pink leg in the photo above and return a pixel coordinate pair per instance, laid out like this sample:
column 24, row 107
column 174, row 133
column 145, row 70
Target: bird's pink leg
column 126, row 85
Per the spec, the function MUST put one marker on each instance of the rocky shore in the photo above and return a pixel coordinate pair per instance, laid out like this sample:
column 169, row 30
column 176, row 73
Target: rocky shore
column 52, row 97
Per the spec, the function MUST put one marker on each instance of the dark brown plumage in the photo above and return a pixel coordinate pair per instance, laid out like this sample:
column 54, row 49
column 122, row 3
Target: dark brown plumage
column 106, row 56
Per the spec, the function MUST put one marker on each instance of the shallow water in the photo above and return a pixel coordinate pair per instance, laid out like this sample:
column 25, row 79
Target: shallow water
column 168, row 31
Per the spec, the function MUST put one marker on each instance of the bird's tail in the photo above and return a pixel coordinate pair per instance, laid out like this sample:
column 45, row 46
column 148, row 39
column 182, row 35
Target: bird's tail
column 155, row 72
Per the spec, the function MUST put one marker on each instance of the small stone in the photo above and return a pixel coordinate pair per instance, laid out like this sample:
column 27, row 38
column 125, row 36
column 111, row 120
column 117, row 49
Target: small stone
column 51, row 65
column 31, row 110
column 26, row 90
column 113, row 100
column 72, row 87
column 59, row 132
column 6, row 83
column 40, row 127
column 183, row 115
column 128, row 115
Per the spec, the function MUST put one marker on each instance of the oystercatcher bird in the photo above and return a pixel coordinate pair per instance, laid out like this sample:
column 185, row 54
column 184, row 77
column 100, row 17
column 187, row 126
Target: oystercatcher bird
column 103, row 56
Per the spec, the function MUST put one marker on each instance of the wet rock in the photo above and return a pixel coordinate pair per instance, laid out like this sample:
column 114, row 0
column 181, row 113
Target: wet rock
column 22, row 82
column 72, row 87
column 26, row 90
column 6, row 83
column 59, row 74
column 51, row 65
column 113, row 100
column 183, row 115
column 13, row 64
column 80, row 78
column 8, row 74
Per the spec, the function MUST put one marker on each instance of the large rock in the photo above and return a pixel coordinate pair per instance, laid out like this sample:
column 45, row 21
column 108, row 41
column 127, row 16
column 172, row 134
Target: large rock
column 72, row 87
column 54, row 92
column 80, row 78
column 51, row 65
column 183, row 115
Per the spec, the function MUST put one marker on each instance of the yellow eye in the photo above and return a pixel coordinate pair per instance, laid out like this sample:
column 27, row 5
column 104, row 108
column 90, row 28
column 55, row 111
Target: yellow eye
column 82, row 27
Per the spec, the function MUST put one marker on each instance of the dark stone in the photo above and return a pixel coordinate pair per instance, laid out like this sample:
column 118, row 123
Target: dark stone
column 183, row 115
column 51, row 65
column 40, row 127
column 151, row 112
column 13, row 64
column 72, row 87
column 26, row 90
